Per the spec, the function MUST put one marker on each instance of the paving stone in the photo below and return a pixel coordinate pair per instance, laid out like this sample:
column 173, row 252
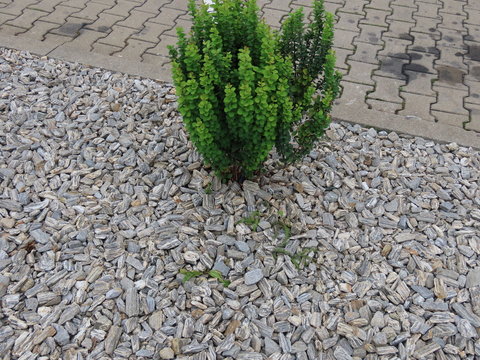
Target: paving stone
column 46, row 5
column 91, row 11
column 366, row 53
column 423, row 43
column 375, row 17
column 473, row 32
column 453, row 7
column 151, row 6
column 360, row 72
column 380, row 5
column 401, row 13
column 426, row 25
column 151, row 32
column 452, row 22
column 406, row 3
column 473, row 17
column 341, row 57
column 118, row 36
column 105, row 49
column 384, row 106
column 391, row 67
column 344, row 39
column 167, row 16
column 347, row 21
column 473, row 85
column 77, row 4
column 60, row 14
column 136, row 19
column 417, row 106
column 451, row 118
column 122, row 9
column 104, row 22
column 419, row 83
column 355, row 6
column 27, row 19
column 399, row 30
column 331, row 7
column 370, row 34
column 421, row 62
column 39, row 30
column 429, row 10
column 161, row 47
column 178, row 4
column 452, row 39
column 86, row 39
column 70, row 28
column 452, row 57
column 474, row 123
column 185, row 24
column 17, row 7
column 395, row 48
column 155, row 59
column 275, row 17
column 283, row 5
column 134, row 49
column 387, row 89
column 450, row 100
column 354, row 94
column 11, row 30
column 6, row 17
column 450, row 77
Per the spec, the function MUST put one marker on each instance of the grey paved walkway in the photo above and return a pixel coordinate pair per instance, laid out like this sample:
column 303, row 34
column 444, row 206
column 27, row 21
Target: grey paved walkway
column 409, row 65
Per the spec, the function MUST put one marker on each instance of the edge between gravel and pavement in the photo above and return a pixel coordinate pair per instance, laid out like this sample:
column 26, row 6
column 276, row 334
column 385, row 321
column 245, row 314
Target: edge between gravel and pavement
column 354, row 114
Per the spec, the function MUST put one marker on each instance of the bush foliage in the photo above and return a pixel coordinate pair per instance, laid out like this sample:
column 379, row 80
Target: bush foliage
column 244, row 89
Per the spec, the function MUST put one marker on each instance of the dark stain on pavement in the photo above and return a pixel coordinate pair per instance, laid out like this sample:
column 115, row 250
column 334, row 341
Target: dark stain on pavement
column 103, row 29
column 450, row 75
column 474, row 52
column 71, row 29
column 475, row 72
column 406, row 36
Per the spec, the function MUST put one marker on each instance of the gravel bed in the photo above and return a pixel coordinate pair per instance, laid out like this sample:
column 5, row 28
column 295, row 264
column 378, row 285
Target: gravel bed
column 368, row 249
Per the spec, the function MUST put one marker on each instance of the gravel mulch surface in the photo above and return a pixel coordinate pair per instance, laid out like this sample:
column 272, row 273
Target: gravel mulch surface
column 368, row 249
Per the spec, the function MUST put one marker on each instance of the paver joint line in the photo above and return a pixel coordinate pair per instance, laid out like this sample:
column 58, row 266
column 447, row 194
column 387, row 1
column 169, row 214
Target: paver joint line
column 401, row 59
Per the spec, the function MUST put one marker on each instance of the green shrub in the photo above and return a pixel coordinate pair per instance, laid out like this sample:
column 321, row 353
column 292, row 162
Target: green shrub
column 243, row 89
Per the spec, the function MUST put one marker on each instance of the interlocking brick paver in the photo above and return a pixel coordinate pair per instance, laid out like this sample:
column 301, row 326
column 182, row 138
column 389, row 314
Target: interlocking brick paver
column 348, row 21
column 473, row 32
column 450, row 100
column 452, row 7
column 60, row 14
column 391, row 67
column 406, row 3
column 387, row 89
column 118, row 36
column 46, row 5
column 122, row 9
column 17, row 7
column 39, row 30
column 6, row 17
column 474, row 123
column 134, row 49
column 344, row 39
column 452, row 39
column 417, row 106
column 185, row 24
column 161, row 48
column 105, row 49
column 360, row 72
column 450, row 77
column 453, row 22
column 11, row 30
column 70, row 28
column 366, row 52
column 354, row 94
column 454, row 57
column 91, row 11
column 395, row 48
column 155, row 59
column 86, row 39
column 379, row 4
column 283, row 5
column 399, row 30
column 135, row 20
column 375, row 17
column 153, row 6
column 355, row 6
column 370, row 34
column 104, row 22
column 384, row 106
column 421, row 62
column 426, row 25
column 429, row 10
column 420, row 83
column 275, row 17
column 151, row 32
column 178, row 4
column 402, row 13
column 342, row 55
column 167, row 16
column 448, row 118
column 331, row 7
column 78, row 4
column 423, row 43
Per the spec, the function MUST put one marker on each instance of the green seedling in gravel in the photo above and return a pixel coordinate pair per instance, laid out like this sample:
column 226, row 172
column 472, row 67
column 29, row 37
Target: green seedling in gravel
column 190, row 274
column 299, row 259
column 251, row 220
column 208, row 189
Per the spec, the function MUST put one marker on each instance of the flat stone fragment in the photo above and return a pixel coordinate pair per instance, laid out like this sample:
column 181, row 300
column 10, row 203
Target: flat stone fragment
column 112, row 339
column 253, row 276
column 473, row 278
